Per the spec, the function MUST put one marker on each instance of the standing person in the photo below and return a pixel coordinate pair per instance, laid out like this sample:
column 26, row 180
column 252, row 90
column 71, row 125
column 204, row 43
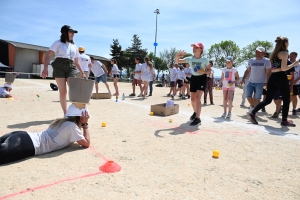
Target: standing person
column 152, row 79
column 173, row 78
column 147, row 67
column 210, row 85
column 278, row 81
column 99, row 70
column 163, row 80
column 187, row 81
column 137, row 77
column 85, row 63
column 5, row 91
column 66, row 58
column 295, row 83
column 115, row 75
column 168, row 80
column 181, row 77
column 259, row 69
column 61, row 133
column 229, row 78
column 244, row 83
column 200, row 68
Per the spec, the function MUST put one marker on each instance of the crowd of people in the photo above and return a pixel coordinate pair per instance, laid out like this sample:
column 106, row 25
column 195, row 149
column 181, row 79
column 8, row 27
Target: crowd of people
column 276, row 78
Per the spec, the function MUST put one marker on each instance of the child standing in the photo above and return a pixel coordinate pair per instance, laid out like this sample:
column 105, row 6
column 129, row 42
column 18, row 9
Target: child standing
column 181, row 77
column 115, row 75
column 229, row 77
column 200, row 69
column 146, row 70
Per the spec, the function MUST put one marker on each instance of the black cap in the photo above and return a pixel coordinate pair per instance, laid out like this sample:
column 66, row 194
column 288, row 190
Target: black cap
column 67, row 28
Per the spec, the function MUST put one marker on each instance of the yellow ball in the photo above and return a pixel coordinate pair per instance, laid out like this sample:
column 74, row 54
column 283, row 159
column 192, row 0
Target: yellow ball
column 151, row 113
column 216, row 153
column 103, row 124
column 170, row 120
column 189, row 104
column 291, row 93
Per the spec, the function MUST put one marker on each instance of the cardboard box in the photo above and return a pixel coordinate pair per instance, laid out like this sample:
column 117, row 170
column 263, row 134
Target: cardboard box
column 162, row 110
column 101, row 96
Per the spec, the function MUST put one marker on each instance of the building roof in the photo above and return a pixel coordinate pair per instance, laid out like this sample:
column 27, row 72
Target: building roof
column 40, row 48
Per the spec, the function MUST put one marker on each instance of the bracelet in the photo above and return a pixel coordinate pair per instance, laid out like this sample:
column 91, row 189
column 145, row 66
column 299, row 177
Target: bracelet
column 85, row 127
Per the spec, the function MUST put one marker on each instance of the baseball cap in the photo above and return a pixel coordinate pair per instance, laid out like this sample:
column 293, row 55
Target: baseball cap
column 260, row 49
column 66, row 28
column 74, row 111
column 198, row 44
column 81, row 48
column 7, row 85
column 229, row 58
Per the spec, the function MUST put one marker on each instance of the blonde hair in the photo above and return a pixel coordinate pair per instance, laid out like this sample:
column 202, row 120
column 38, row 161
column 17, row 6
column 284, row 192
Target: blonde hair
column 58, row 122
column 147, row 59
column 280, row 46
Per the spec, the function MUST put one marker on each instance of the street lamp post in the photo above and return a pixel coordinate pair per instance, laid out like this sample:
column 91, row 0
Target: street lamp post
column 155, row 44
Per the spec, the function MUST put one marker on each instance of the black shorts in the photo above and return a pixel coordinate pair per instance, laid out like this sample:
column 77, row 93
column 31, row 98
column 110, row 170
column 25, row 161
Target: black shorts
column 296, row 89
column 198, row 83
column 179, row 83
column 264, row 91
column 172, row 84
column 116, row 76
column 188, row 80
column 277, row 95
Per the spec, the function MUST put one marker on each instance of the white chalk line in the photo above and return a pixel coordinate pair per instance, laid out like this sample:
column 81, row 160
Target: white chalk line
column 259, row 128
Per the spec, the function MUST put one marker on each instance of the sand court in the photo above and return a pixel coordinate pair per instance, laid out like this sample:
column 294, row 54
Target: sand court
column 159, row 159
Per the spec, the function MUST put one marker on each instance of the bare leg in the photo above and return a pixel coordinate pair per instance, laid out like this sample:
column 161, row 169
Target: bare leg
column 116, row 86
column 225, row 99
column 229, row 100
column 96, row 86
column 107, row 86
column 196, row 102
column 62, row 85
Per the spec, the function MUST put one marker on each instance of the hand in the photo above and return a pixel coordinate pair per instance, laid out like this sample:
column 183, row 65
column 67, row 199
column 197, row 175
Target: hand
column 296, row 63
column 45, row 73
column 242, row 82
column 83, row 75
column 181, row 53
column 85, row 117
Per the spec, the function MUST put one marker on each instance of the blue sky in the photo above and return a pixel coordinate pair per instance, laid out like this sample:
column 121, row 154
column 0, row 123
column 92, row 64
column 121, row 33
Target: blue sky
column 179, row 24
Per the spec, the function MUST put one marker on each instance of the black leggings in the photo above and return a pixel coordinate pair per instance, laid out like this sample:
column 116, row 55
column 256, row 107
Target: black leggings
column 277, row 81
column 15, row 146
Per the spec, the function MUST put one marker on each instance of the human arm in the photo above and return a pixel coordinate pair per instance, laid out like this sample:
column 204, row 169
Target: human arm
column 83, row 121
column 104, row 68
column 207, row 70
column 221, row 79
column 178, row 55
column 247, row 71
column 283, row 55
column 237, row 77
column 49, row 54
column 79, row 67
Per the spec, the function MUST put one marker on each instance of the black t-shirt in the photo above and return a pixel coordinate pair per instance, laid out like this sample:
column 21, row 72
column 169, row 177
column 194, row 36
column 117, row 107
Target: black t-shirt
column 288, row 72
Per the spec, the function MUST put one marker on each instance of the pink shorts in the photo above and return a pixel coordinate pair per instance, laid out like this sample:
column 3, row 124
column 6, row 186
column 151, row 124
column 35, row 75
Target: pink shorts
column 228, row 88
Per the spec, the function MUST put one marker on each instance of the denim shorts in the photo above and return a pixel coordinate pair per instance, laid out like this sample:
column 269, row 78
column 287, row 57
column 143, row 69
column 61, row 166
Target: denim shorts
column 255, row 87
column 102, row 78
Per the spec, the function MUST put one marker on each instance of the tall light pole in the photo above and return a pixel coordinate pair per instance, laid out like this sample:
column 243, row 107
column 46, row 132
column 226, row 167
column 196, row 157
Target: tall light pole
column 155, row 44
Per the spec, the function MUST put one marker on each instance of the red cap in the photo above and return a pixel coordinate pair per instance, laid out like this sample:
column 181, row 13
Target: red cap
column 198, row 44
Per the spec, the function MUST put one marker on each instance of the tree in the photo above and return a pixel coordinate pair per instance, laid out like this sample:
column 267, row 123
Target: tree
column 248, row 52
column 219, row 52
column 116, row 52
column 168, row 56
column 135, row 51
column 160, row 64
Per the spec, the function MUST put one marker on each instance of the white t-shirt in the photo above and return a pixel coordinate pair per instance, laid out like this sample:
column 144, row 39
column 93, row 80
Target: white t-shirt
column 188, row 71
column 145, row 69
column 97, row 68
column 115, row 69
column 229, row 76
column 3, row 92
column 56, row 138
column 181, row 75
column 297, row 74
column 173, row 74
column 65, row 50
column 137, row 69
column 84, row 61
column 211, row 74
column 258, row 72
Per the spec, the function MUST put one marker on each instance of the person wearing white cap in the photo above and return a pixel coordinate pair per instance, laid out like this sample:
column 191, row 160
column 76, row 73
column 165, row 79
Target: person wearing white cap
column 61, row 133
column 260, row 70
column 200, row 69
column 5, row 91
column 66, row 60
column 85, row 63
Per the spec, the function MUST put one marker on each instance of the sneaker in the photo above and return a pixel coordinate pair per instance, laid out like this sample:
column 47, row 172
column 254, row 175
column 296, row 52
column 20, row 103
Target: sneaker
column 298, row 110
column 204, row 103
column 168, row 94
column 195, row 122
column 224, row 115
column 183, row 97
column 242, row 105
column 294, row 112
column 172, row 97
column 250, row 110
column 228, row 116
column 140, row 95
column 132, row 95
column 251, row 117
column 287, row 123
column 263, row 109
column 212, row 103
column 180, row 95
column 193, row 116
column 275, row 115
column 188, row 96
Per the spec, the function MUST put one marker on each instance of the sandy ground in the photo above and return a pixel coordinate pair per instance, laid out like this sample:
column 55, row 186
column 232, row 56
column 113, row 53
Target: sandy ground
column 159, row 160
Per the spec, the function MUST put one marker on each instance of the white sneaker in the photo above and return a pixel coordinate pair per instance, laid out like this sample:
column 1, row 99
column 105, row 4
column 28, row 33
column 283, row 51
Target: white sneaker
column 224, row 114
column 250, row 110
column 228, row 116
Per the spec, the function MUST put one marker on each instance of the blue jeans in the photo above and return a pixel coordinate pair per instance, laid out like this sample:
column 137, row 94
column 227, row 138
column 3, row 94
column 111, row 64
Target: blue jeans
column 150, row 87
column 254, row 87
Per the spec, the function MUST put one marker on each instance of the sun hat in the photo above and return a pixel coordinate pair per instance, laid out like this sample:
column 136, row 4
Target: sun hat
column 8, row 85
column 81, row 48
column 74, row 111
column 198, row 44
column 260, row 49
